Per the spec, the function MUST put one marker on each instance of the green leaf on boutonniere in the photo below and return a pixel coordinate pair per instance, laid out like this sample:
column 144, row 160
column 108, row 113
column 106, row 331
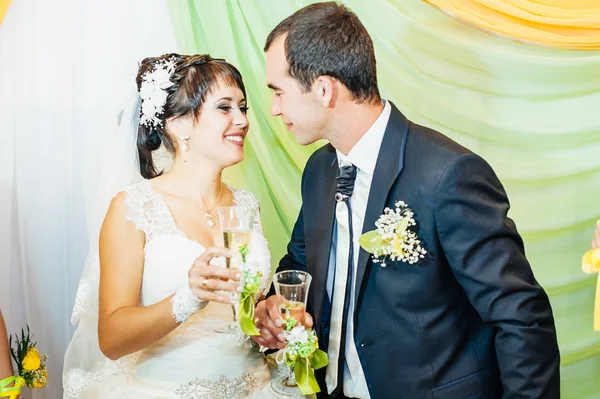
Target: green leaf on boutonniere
column 371, row 241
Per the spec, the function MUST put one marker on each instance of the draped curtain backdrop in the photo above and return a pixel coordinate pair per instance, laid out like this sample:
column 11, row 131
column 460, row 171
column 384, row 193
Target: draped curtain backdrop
column 556, row 23
column 531, row 111
column 3, row 7
column 66, row 66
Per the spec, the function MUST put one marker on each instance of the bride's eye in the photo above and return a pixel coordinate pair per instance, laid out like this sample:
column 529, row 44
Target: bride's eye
column 225, row 108
column 244, row 109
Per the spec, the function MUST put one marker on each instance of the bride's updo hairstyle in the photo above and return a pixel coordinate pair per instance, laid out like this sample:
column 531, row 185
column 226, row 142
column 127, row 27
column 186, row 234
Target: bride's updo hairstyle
column 189, row 79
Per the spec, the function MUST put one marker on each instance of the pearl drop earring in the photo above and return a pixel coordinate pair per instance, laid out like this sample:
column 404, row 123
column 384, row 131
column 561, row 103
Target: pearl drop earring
column 184, row 142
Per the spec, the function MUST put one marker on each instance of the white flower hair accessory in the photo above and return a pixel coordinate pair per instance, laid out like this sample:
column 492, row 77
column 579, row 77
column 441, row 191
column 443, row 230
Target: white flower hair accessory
column 153, row 92
column 393, row 237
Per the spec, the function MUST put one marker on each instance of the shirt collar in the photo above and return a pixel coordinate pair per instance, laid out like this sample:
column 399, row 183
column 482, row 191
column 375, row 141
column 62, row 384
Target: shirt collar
column 364, row 153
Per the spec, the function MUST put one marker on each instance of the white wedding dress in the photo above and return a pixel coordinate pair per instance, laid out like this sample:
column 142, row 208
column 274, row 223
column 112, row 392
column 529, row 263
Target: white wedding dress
column 193, row 361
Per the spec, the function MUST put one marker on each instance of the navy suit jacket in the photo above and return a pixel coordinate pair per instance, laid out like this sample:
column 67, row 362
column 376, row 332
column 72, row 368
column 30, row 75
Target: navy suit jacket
column 469, row 320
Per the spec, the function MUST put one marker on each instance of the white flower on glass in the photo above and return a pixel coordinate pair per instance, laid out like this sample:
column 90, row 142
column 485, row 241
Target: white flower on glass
column 296, row 335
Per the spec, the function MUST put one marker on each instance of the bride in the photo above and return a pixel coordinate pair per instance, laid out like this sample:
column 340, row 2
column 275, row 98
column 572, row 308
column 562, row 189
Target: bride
column 148, row 331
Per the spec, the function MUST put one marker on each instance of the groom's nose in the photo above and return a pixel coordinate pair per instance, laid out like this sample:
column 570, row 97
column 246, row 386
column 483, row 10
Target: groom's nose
column 275, row 106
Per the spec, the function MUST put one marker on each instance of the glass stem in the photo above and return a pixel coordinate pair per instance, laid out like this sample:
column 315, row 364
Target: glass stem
column 291, row 382
column 235, row 318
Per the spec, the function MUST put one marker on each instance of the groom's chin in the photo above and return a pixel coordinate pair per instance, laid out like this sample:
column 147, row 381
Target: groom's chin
column 305, row 140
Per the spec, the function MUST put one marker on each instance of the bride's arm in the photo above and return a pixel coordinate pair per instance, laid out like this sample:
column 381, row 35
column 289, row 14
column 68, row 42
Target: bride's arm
column 6, row 369
column 124, row 326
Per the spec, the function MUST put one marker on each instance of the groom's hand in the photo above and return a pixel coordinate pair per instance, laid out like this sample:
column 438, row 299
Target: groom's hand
column 270, row 323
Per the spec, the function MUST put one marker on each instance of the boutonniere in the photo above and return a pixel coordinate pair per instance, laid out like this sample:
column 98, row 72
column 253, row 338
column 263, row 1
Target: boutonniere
column 393, row 237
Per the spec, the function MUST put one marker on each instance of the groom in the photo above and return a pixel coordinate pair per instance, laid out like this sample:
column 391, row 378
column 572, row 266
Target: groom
column 468, row 319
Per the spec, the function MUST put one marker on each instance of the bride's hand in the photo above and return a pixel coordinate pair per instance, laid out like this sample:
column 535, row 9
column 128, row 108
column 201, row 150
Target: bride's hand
column 205, row 278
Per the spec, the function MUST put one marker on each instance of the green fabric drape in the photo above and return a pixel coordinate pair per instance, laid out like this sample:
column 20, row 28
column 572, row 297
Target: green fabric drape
column 532, row 112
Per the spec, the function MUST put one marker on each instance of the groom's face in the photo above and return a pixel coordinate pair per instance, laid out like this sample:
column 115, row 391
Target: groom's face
column 301, row 112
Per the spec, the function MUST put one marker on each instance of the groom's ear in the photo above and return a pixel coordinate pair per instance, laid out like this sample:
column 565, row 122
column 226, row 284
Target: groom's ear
column 327, row 91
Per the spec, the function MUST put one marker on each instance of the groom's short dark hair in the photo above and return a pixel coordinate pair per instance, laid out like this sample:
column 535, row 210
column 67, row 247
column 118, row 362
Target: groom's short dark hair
column 329, row 39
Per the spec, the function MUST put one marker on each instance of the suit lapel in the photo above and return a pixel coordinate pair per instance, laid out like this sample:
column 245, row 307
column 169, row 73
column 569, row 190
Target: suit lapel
column 390, row 162
column 324, row 217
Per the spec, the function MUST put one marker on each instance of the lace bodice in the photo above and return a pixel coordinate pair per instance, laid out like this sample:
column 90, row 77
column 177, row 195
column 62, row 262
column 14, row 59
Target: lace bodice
column 193, row 351
column 150, row 213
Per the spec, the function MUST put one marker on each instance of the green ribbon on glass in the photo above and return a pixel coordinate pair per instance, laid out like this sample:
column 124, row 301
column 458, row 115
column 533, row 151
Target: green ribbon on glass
column 250, row 284
column 304, row 371
column 246, row 316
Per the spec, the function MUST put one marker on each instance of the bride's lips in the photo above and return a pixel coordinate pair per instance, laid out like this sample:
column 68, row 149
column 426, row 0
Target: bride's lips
column 236, row 138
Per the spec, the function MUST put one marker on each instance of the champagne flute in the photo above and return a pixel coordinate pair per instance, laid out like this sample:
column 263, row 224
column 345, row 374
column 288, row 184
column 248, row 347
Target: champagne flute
column 236, row 225
column 291, row 288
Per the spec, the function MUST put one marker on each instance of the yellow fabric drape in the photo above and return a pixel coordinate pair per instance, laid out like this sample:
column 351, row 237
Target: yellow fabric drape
column 572, row 24
column 3, row 8
column 591, row 264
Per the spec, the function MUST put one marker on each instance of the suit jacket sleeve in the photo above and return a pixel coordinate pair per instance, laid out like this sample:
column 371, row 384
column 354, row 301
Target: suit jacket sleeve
column 487, row 258
column 295, row 259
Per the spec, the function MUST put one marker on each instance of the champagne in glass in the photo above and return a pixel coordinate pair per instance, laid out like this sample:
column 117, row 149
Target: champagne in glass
column 234, row 239
column 292, row 309
column 236, row 225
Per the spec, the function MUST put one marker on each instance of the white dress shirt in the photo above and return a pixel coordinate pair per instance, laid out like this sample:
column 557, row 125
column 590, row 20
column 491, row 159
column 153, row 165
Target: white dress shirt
column 364, row 156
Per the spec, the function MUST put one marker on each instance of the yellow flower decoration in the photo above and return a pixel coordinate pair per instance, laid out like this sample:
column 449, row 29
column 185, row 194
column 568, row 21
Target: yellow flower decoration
column 40, row 379
column 32, row 360
column 397, row 242
column 32, row 365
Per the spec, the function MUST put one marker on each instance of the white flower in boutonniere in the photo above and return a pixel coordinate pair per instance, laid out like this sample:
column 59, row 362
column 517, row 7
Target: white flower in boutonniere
column 393, row 237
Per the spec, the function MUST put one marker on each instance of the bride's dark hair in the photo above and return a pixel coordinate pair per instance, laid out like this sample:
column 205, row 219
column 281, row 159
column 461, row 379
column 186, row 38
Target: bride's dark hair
column 194, row 77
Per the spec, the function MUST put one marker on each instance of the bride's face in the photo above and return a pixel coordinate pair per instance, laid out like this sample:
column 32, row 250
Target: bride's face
column 219, row 133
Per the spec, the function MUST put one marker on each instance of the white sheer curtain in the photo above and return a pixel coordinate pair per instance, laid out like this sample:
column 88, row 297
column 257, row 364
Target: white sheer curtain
column 65, row 68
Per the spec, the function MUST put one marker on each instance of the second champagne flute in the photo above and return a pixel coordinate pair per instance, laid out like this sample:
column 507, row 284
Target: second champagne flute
column 291, row 288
